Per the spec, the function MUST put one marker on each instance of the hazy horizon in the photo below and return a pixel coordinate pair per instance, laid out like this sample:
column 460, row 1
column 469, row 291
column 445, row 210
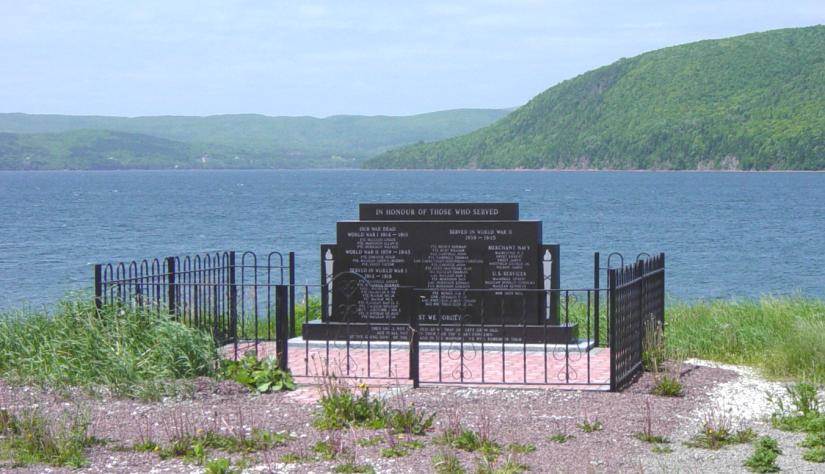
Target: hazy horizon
column 322, row 59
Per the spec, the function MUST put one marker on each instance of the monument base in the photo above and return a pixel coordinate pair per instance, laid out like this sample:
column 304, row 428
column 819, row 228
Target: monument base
column 522, row 334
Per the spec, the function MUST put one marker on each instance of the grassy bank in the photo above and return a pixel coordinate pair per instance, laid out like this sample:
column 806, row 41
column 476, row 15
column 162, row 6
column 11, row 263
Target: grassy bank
column 785, row 337
column 129, row 351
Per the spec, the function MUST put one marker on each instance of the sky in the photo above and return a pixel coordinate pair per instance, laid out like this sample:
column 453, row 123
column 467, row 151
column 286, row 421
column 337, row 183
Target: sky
column 324, row 58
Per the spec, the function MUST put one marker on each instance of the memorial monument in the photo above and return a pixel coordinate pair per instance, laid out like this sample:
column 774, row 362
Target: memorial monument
column 464, row 271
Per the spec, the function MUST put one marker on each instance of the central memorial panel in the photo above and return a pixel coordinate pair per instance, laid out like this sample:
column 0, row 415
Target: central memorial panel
column 450, row 257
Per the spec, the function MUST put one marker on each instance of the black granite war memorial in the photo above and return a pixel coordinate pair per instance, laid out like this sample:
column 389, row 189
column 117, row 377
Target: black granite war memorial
column 465, row 272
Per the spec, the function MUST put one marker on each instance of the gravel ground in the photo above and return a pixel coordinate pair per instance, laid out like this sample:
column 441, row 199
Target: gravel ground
column 508, row 415
column 745, row 401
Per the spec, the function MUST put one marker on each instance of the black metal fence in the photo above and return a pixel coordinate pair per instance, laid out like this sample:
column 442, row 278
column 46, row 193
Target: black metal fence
column 637, row 295
column 229, row 293
column 251, row 302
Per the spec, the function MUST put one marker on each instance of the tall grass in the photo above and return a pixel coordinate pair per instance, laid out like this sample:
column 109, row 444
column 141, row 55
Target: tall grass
column 783, row 336
column 132, row 352
column 305, row 310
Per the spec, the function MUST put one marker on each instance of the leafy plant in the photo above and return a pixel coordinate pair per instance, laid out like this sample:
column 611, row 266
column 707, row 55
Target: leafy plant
column 394, row 452
column 219, row 466
column 661, row 449
column 802, row 413
column 262, row 376
column 409, row 420
column 519, row 448
column 341, row 407
column 764, row 456
column 590, row 426
column 560, row 438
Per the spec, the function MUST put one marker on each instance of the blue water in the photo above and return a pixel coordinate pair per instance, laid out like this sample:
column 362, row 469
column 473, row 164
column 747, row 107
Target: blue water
column 725, row 234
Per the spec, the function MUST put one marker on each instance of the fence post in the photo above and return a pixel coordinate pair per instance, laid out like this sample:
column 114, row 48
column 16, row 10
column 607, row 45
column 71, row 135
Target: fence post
column 292, row 294
column 98, row 286
column 170, row 274
column 233, row 302
column 662, row 302
column 596, row 309
column 642, row 307
column 282, row 325
column 611, row 341
column 409, row 300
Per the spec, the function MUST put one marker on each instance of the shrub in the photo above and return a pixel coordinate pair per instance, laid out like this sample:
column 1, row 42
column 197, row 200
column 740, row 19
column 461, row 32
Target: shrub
column 132, row 352
column 262, row 376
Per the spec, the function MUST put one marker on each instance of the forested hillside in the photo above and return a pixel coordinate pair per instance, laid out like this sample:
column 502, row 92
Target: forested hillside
column 752, row 102
column 221, row 141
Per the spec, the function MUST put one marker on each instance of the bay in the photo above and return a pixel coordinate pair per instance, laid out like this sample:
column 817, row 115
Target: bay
column 725, row 234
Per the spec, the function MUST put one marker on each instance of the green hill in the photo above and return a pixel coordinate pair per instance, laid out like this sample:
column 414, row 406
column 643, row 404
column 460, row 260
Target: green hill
column 234, row 141
column 753, row 102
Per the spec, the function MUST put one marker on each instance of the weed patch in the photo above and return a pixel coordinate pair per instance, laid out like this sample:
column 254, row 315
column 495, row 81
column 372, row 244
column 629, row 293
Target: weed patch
column 816, row 454
column 667, row 386
column 716, row 433
column 446, row 463
column 29, row 438
column 354, row 468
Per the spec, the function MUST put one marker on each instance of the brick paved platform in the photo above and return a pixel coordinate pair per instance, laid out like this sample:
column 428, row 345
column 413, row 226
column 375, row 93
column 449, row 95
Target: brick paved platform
column 574, row 367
